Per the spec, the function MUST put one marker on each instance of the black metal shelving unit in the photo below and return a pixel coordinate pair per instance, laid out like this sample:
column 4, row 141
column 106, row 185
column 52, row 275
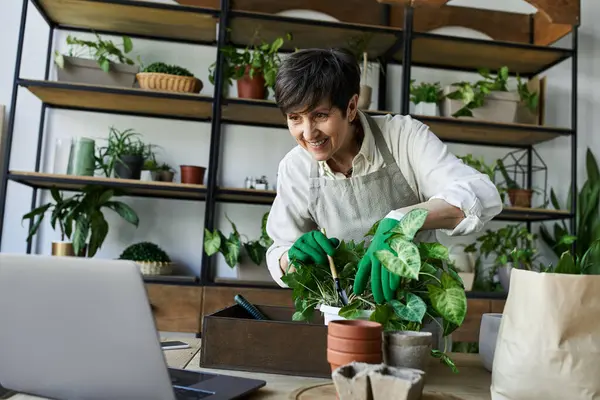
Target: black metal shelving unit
column 218, row 27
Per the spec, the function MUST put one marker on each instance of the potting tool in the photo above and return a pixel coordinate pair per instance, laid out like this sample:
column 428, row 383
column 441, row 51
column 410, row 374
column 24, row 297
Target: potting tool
column 246, row 305
column 336, row 279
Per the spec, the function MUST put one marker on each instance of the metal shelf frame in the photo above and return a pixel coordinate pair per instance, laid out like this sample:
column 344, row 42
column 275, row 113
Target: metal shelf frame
column 224, row 15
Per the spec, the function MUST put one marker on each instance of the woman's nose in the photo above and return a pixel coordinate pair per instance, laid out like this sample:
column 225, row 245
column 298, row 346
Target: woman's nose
column 308, row 130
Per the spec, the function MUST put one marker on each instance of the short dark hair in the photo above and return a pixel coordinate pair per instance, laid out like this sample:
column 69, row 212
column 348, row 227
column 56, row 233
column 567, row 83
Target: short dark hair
column 309, row 76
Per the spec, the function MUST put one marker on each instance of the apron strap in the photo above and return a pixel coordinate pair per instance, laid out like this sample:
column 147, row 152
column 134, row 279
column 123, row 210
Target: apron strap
column 380, row 141
column 314, row 169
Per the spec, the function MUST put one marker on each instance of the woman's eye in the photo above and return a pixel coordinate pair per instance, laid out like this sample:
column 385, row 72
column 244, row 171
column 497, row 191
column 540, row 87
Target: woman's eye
column 321, row 115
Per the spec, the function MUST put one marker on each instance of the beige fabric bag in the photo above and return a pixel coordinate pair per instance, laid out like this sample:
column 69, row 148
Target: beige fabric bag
column 549, row 340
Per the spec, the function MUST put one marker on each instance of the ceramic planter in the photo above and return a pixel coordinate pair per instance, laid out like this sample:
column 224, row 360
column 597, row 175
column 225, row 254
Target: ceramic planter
column 252, row 88
column 129, row 167
column 409, row 349
column 364, row 98
column 353, row 340
column 488, row 334
column 148, row 175
column 65, row 249
column 520, row 197
column 83, row 70
column 81, row 158
column 165, row 176
column 504, row 107
column 504, row 276
column 192, row 174
column 429, row 109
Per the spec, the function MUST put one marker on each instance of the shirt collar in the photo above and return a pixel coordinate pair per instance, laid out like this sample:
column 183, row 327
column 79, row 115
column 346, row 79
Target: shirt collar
column 367, row 149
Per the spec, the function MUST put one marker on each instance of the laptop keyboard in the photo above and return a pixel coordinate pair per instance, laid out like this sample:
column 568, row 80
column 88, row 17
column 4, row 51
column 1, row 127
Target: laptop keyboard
column 190, row 394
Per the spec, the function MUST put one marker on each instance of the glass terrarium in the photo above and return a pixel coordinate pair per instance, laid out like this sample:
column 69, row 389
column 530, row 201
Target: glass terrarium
column 520, row 171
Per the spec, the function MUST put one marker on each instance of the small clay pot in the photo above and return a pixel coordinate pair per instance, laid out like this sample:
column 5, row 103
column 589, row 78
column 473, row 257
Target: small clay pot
column 192, row 174
column 520, row 197
column 252, row 88
column 353, row 340
column 165, row 176
column 408, row 349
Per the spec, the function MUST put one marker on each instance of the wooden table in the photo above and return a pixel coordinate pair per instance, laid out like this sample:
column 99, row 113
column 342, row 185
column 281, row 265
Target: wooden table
column 471, row 383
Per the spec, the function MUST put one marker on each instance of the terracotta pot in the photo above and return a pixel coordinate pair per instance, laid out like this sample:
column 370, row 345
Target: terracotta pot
column 192, row 174
column 520, row 197
column 353, row 340
column 252, row 88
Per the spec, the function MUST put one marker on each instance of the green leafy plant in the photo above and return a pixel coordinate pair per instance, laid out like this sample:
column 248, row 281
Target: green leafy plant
column 480, row 165
column 103, row 51
column 430, row 289
column 586, row 215
column 530, row 99
column 81, row 216
column 587, row 264
column 230, row 247
column 163, row 68
column 145, row 251
column 262, row 58
column 425, row 92
column 120, row 144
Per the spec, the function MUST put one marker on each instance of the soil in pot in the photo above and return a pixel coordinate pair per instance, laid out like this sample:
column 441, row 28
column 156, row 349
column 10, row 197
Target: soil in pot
column 129, row 167
column 252, row 88
column 353, row 340
column 409, row 349
column 520, row 197
column 192, row 174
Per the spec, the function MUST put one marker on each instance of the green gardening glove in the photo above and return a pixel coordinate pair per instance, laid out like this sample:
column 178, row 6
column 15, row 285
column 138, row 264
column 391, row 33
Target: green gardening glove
column 313, row 247
column 383, row 283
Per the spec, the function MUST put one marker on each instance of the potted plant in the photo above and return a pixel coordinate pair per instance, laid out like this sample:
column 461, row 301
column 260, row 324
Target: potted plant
column 254, row 68
column 81, row 218
column 426, row 97
column 512, row 246
column 430, row 292
column 170, row 78
column 151, row 259
column 518, row 196
column 165, row 173
column 489, row 99
column 124, row 155
column 105, row 63
column 358, row 46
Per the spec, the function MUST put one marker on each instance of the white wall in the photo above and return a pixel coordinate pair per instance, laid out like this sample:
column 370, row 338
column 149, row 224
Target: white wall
column 177, row 225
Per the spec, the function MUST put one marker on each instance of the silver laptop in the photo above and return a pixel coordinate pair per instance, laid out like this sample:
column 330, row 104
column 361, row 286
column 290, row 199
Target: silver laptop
column 76, row 328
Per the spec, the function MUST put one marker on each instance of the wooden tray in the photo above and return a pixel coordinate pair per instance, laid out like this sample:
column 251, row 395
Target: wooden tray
column 326, row 391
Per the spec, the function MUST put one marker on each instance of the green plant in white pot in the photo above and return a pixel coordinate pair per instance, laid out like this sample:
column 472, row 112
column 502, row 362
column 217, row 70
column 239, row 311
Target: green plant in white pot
column 426, row 97
column 151, row 259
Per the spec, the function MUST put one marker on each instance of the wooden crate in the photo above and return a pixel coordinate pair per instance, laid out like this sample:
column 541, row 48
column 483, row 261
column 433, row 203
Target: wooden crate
column 232, row 339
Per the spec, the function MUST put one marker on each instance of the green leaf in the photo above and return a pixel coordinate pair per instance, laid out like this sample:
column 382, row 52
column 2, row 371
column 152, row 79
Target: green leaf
column 255, row 251
column 99, row 231
column 125, row 211
column 449, row 281
column 449, row 302
column 434, row 250
column 56, row 195
column 82, row 229
column 592, row 168
column 212, row 242
column 106, row 196
column 454, row 276
column 127, row 44
column 298, row 316
column 445, row 359
column 104, row 64
column 37, row 211
column 566, row 265
column 428, row 269
column 590, row 262
column 404, row 266
column 410, row 224
column 232, row 253
column 414, row 309
column 351, row 311
column 381, row 314
column 373, row 229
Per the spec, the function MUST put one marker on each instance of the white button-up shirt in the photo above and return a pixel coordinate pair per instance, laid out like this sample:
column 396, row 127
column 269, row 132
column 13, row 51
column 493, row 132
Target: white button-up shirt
column 428, row 167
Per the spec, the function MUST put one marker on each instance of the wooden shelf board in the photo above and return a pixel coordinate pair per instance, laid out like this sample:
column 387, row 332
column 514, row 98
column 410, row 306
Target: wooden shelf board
column 309, row 33
column 129, row 187
column 532, row 214
column 467, row 130
column 250, row 196
column 129, row 100
column 441, row 51
column 134, row 18
column 240, row 282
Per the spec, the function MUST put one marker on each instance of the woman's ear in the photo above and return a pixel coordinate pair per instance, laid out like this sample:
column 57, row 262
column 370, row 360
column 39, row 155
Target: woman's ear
column 352, row 110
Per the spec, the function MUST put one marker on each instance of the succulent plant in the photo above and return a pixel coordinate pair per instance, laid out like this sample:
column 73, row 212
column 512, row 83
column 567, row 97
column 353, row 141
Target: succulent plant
column 145, row 251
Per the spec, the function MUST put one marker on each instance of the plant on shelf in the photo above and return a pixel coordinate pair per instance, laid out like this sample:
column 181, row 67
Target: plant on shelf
column 359, row 45
column 512, row 246
column 98, row 62
column 150, row 257
column 429, row 290
column 519, row 197
column 587, row 214
column 124, row 155
column 480, row 165
column 426, row 97
column 254, row 67
column 81, row 218
column 230, row 247
column 586, row 264
column 173, row 78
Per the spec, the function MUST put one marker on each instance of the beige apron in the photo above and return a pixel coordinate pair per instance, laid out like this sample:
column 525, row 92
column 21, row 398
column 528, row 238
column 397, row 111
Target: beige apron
column 347, row 208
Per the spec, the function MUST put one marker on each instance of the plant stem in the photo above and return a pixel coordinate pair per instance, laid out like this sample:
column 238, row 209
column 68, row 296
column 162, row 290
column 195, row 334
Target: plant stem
column 365, row 61
column 433, row 276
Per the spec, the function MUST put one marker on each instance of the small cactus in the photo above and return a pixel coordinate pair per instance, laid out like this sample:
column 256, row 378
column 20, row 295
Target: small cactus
column 145, row 251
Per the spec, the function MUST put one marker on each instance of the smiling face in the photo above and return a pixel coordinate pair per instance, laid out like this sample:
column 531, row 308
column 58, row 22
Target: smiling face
column 324, row 130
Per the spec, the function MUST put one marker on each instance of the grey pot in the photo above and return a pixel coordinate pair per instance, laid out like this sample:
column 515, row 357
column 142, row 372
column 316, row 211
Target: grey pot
column 488, row 335
column 504, row 276
column 129, row 167
column 438, row 340
column 408, row 349
column 83, row 70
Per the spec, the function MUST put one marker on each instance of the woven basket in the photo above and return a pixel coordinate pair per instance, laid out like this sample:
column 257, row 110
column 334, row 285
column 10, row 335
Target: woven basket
column 170, row 83
column 155, row 268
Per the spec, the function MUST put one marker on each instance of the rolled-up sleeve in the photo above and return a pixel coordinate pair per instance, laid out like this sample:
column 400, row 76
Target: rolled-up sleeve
column 288, row 218
column 442, row 175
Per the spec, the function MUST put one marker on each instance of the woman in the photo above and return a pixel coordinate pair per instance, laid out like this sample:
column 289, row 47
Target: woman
column 350, row 170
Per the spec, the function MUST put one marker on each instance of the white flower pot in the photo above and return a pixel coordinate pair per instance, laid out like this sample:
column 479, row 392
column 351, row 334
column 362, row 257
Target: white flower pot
column 331, row 314
column 429, row 109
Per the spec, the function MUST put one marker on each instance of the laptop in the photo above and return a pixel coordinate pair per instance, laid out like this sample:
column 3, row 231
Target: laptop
column 77, row 328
